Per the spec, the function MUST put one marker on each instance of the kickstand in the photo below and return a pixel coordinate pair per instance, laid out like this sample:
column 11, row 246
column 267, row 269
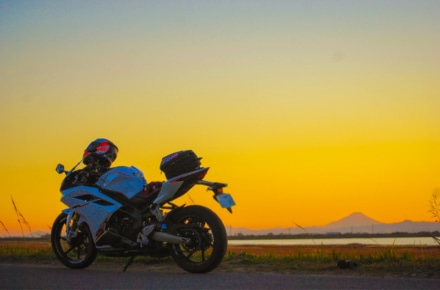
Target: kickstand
column 129, row 263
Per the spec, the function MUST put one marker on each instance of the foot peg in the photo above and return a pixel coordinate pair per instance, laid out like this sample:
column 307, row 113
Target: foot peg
column 142, row 238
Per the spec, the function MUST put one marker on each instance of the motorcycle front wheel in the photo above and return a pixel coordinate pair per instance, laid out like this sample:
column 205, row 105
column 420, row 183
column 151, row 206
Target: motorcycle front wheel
column 208, row 239
column 77, row 253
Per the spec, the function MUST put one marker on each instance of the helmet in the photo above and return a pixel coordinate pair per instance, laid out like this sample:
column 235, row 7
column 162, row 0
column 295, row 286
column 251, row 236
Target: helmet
column 101, row 151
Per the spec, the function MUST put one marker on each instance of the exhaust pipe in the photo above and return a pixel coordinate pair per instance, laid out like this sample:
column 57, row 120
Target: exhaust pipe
column 164, row 237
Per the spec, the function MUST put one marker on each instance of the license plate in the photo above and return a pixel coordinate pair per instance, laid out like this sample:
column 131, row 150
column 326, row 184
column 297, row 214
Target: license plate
column 225, row 200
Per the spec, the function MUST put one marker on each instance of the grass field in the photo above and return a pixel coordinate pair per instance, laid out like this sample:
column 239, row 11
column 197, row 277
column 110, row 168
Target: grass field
column 408, row 261
column 412, row 261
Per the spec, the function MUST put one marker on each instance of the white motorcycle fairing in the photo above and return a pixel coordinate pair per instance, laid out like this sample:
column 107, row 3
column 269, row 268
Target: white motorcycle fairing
column 95, row 207
column 128, row 181
column 92, row 206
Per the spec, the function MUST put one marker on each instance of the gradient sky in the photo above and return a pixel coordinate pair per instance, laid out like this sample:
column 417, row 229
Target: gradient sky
column 309, row 110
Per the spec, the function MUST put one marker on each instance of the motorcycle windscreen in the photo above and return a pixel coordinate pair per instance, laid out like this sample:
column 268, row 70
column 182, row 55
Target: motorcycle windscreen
column 127, row 180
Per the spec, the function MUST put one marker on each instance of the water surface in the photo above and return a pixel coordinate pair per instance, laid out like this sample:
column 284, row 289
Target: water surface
column 411, row 241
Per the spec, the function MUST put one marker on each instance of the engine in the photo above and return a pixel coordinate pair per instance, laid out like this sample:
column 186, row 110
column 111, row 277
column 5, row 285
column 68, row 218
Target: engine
column 121, row 230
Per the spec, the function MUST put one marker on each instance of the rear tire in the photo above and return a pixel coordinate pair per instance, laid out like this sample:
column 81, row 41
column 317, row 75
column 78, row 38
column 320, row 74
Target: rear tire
column 208, row 239
column 80, row 252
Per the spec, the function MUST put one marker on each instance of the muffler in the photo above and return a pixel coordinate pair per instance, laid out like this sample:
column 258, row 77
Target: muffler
column 168, row 238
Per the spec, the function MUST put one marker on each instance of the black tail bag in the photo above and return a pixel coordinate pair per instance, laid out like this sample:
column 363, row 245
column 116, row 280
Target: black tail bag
column 179, row 163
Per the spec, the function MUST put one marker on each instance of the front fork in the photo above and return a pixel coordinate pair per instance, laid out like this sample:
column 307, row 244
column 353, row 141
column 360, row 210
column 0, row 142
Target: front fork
column 71, row 225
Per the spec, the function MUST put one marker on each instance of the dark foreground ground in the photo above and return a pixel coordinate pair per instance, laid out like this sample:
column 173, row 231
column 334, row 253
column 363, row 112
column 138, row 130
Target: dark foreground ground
column 36, row 276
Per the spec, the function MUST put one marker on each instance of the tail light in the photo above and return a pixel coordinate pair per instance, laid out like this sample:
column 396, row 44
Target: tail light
column 202, row 174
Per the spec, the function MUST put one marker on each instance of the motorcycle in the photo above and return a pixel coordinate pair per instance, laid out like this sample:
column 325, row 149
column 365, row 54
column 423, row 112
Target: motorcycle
column 115, row 212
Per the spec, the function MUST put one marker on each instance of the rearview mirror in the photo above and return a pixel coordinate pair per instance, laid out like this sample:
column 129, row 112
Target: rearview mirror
column 60, row 168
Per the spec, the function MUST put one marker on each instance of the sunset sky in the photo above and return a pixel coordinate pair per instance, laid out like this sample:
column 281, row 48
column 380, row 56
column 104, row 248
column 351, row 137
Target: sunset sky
column 309, row 110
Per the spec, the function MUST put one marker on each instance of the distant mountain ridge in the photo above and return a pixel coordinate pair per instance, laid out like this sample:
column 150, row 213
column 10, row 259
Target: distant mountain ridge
column 354, row 219
column 354, row 223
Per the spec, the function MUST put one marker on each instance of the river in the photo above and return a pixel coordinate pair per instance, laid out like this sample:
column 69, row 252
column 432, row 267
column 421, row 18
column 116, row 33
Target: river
column 407, row 241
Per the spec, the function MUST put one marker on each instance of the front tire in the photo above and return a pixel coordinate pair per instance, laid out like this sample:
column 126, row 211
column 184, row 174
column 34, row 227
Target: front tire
column 208, row 239
column 79, row 252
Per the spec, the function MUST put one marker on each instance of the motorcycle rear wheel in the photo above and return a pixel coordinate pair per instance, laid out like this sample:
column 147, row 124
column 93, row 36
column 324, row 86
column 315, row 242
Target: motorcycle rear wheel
column 79, row 252
column 208, row 239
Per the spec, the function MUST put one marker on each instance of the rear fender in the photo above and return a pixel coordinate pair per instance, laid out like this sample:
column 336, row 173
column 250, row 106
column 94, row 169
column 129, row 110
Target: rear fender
column 179, row 185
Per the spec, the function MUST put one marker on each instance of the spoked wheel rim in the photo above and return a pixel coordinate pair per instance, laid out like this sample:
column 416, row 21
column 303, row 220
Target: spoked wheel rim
column 207, row 235
column 76, row 252
column 202, row 240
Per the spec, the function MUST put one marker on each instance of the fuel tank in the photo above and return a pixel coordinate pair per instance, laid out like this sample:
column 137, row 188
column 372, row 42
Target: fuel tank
column 128, row 181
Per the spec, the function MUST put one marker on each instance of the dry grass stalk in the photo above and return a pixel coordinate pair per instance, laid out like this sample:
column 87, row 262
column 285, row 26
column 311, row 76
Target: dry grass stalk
column 5, row 228
column 21, row 220
column 434, row 205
